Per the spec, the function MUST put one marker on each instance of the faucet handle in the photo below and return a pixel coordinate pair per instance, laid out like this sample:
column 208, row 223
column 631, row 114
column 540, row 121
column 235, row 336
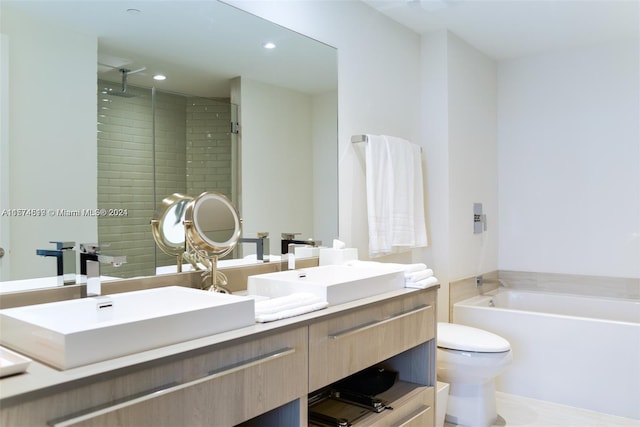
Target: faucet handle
column 64, row 245
column 89, row 248
column 289, row 236
column 93, row 248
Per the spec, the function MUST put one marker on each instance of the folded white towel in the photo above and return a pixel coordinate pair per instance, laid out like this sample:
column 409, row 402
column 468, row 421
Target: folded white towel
column 422, row 284
column 288, row 302
column 395, row 207
column 291, row 312
column 418, row 275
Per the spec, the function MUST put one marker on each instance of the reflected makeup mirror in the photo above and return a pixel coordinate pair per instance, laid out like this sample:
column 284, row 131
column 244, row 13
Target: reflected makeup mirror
column 167, row 226
column 212, row 228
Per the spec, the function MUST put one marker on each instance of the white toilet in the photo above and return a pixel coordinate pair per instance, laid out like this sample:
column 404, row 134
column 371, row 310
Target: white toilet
column 469, row 359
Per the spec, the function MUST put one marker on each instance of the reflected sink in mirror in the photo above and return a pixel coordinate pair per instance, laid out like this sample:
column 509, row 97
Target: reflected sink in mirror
column 43, row 283
column 307, row 251
column 223, row 263
column 73, row 333
column 336, row 283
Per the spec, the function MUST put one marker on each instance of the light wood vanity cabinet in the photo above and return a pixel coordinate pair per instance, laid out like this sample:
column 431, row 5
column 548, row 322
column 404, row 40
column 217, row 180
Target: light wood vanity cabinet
column 397, row 333
column 261, row 376
column 349, row 342
column 223, row 387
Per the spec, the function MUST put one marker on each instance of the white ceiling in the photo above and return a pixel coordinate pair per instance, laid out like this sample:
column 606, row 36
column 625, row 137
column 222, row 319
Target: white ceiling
column 208, row 42
column 199, row 45
column 513, row 28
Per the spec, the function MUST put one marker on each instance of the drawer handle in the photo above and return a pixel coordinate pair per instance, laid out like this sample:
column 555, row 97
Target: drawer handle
column 164, row 390
column 422, row 410
column 362, row 328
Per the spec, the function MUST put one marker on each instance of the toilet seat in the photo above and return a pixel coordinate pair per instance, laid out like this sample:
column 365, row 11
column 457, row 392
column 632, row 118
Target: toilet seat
column 465, row 338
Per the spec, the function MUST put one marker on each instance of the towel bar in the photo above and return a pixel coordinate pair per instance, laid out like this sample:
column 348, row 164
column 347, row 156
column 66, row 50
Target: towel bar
column 359, row 138
column 363, row 138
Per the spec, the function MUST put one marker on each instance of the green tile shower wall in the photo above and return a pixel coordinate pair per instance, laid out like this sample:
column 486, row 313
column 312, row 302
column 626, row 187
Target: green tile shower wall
column 208, row 151
column 192, row 155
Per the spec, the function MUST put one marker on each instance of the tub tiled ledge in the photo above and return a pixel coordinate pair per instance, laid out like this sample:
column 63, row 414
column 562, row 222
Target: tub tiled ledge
column 466, row 288
column 600, row 286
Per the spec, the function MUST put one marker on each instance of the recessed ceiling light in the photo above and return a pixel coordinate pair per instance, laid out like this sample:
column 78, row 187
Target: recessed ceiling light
column 269, row 45
column 159, row 77
column 133, row 11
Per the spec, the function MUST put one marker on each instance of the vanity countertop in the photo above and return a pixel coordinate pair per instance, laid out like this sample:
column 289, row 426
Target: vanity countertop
column 40, row 377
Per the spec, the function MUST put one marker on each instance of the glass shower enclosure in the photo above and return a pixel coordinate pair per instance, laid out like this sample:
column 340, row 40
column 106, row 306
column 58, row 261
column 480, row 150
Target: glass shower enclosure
column 152, row 144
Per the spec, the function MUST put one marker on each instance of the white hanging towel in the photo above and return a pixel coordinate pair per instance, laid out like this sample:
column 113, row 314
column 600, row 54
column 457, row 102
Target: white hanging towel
column 395, row 201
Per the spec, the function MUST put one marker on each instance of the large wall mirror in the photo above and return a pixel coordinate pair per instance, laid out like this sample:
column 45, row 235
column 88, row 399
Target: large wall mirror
column 74, row 146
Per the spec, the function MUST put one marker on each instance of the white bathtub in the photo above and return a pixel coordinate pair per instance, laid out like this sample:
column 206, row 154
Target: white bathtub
column 575, row 350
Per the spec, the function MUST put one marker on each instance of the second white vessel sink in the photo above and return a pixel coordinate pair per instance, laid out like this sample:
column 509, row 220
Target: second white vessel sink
column 73, row 333
column 337, row 284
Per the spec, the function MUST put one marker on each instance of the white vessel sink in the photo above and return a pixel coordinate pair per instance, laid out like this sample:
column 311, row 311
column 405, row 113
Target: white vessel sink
column 335, row 283
column 77, row 332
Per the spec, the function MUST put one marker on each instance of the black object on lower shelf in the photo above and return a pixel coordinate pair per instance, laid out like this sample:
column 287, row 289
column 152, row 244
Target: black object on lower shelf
column 347, row 400
column 371, row 381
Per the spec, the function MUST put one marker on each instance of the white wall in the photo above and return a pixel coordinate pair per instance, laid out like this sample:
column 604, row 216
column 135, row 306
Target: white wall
column 473, row 160
column 460, row 127
column 276, row 161
column 435, row 128
column 63, row 64
column 569, row 169
column 427, row 90
column 568, row 173
column 285, row 158
column 324, row 128
column 5, row 231
column 378, row 88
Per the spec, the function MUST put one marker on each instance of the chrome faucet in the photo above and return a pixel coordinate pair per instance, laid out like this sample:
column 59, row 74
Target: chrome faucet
column 91, row 252
column 65, row 259
column 262, row 245
column 291, row 256
column 290, row 238
column 90, row 260
column 88, row 252
column 93, row 288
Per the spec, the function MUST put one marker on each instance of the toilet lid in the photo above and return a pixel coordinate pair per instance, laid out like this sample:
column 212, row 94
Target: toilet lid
column 459, row 337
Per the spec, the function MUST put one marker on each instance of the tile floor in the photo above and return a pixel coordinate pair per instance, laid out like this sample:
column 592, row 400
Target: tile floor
column 518, row 411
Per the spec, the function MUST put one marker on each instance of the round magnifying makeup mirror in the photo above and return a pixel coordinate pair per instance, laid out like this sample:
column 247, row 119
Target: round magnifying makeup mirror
column 213, row 228
column 167, row 226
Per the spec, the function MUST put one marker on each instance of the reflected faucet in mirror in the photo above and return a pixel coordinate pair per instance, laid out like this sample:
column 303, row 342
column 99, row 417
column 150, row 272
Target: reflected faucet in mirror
column 65, row 255
column 88, row 252
column 262, row 245
column 290, row 239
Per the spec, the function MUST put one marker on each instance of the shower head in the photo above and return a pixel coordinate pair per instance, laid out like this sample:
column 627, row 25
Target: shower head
column 123, row 92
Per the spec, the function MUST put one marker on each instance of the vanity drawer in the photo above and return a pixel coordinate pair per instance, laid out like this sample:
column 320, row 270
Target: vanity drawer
column 414, row 408
column 223, row 387
column 350, row 342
